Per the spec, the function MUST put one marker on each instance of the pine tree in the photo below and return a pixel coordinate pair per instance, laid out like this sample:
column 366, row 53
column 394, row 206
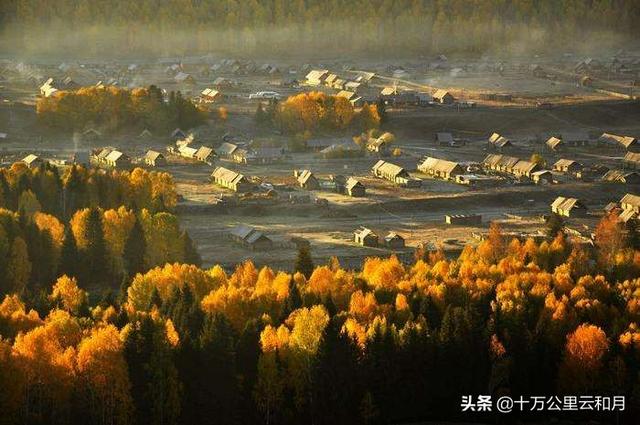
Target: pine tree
column 134, row 250
column 382, row 110
column 337, row 384
column 96, row 250
column 304, row 262
column 191, row 255
column 68, row 255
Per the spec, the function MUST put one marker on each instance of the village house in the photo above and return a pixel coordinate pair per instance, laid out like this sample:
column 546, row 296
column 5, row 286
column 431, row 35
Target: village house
column 231, row 180
column 568, row 207
column 32, row 161
column 365, row 237
column 353, row 187
column 499, row 143
column 474, row 180
column 250, row 238
column 317, row 77
column 394, row 241
column 443, row 96
column 380, row 145
column 542, row 177
column 630, row 202
column 352, row 86
column 204, row 154
column 154, row 159
column 500, row 163
column 463, row 219
column 554, row 143
column 621, row 176
column 210, row 96
column 344, row 149
column 184, row 78
column 306, row 179
column 631, row 160
column 525, row 168
column 353, row 98
column 568, row 166
column 440, row 168
column 226, row 150
column 444, row 139
column 627, row 142
column 575, row 139
column 47, row 88
column 394, row 173
column 117, row 159
column 187, row 151
column 317, row 145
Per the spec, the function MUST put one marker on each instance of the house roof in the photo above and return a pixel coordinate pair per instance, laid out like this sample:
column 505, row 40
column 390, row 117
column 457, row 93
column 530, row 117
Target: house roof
column 305, row 176
column 525, row 167
column 499, row 141
column 226, row 148
column 566, row 204
column 242, row 231
column 210, row 93
column 187, row 150
column 392, row 235
column 618, row 175
column 562, row 163
column 346, row 94
column 554, row 142
column 388, row 91
column 182, row 76
column 29, row 159
column 500, row 161
column 439, row 94
column 632, row 157
column 625, row 141
column 440, row 165
column 227, row 175
column 444, row 137
column 203, row 152
column 365, row 231
column 316, row 74
column 352, row 182
column 388, row 168
column 115, row 156
column 631, row 199
column 574, row 136
column 153, row 155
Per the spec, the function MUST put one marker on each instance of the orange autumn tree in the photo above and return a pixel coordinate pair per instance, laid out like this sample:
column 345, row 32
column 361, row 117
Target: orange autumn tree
column 583, row 360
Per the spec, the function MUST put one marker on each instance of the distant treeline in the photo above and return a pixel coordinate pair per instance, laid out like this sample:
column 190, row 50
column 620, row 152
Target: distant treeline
column 111, row 108
column 180, row 26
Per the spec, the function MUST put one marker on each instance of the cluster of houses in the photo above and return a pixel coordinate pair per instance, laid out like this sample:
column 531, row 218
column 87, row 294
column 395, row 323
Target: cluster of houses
column 247, row 154
column 628, row 208
column 516, row 167
column 366, row 237
column 395, row 174
column 348, row 88
column 186, row 148
column 109, row 157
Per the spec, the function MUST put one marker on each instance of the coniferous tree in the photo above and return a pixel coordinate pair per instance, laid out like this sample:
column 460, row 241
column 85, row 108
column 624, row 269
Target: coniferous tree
column 337, row 385
column 68, row 255
column 304, row 262
column 95, row 254
column 191, row 255
column 134, row 250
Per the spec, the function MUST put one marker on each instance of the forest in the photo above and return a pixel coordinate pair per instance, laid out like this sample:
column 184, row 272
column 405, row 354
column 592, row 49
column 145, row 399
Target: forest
column 172, row 343
column 111, row 109
column 122, row 27
column 306, row 114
